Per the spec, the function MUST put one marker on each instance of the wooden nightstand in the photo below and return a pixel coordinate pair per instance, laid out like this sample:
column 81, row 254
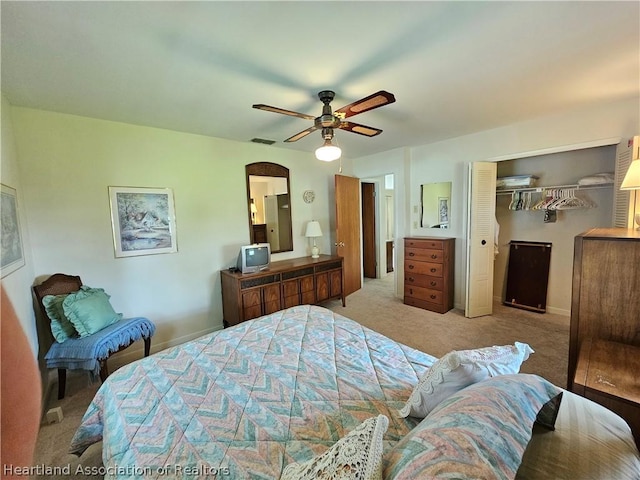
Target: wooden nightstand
column 608, row 373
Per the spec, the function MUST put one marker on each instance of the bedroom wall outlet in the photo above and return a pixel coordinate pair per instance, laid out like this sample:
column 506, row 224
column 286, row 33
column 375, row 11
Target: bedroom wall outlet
column 54, row 415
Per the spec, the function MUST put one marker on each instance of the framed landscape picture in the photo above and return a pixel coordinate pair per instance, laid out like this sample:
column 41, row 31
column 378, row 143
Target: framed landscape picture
column 12, row 254
column 143, row 221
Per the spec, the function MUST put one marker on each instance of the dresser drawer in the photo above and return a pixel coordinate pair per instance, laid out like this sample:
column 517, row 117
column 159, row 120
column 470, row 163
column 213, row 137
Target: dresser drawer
column 434, row 307
column 427, row 281
column 425, row 294
column 423, row 243
column 424, row 268
column 425, row 254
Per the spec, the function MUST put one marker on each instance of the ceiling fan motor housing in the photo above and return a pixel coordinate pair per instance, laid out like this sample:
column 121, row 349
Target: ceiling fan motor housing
column 327, row 119
column 326, row 96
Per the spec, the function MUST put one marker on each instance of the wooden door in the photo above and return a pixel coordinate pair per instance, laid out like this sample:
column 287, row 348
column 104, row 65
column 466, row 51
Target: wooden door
column 347, row 232
column 369, row 230
column 481, row 210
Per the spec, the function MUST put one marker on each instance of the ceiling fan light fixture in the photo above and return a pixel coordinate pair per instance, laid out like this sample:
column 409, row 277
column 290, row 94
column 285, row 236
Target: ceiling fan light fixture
column 328, row 152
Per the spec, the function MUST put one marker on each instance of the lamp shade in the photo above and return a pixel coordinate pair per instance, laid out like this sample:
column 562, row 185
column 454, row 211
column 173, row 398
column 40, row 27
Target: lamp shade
column 313, row 229
column 632, row 178
column 328, row 152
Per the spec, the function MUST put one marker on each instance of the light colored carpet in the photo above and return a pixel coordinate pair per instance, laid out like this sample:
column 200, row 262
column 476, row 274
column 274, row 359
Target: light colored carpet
column 373, row 306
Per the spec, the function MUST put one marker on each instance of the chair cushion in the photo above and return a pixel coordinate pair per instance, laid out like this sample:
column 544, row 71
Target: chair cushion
column 89, row 310
column 86, row 352
column 61, row 327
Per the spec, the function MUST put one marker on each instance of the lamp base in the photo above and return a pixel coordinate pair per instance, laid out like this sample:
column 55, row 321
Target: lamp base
column 637, row 221
column 315, row 252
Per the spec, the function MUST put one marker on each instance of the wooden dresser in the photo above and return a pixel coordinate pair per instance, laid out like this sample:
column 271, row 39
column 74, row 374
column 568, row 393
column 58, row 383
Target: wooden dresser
column 428, row 273
column 286, row 283
column 604, row 340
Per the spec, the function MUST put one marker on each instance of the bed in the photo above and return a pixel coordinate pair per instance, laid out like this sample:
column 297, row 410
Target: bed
column 283, row 390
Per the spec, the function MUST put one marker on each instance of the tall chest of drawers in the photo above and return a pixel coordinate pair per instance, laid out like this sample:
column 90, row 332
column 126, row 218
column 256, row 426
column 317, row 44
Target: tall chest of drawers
column 428, row 273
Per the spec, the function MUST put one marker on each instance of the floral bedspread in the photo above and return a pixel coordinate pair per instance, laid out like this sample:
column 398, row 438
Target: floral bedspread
column 245, row 401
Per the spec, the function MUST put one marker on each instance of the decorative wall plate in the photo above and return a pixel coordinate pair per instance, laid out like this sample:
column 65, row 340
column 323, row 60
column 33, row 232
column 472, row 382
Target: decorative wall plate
column 308, row 196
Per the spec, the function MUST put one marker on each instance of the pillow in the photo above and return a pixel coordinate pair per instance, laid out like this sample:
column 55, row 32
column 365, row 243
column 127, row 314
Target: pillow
column 357, row 455
column 459, row 369
column 481, row 431
column 89, row 310
column 61, row 328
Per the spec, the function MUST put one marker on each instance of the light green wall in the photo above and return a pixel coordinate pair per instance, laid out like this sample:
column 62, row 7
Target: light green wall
column 18, row 283
column 66, row 164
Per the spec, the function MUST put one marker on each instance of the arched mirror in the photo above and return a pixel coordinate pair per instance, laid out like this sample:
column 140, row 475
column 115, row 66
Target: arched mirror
column 269, row 205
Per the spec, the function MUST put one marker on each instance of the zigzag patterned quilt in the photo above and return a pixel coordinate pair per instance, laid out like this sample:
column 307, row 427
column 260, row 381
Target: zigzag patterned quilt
column 245, row 401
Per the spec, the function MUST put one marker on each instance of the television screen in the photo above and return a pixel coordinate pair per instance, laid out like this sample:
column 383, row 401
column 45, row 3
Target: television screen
column 254, row 258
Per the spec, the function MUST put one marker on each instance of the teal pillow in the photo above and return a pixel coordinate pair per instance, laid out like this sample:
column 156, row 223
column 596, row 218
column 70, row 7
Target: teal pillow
column 61, row 327
column 89, row 310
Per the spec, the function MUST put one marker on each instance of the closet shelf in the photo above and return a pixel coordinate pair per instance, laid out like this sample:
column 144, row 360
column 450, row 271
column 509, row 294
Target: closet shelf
column 509, row 191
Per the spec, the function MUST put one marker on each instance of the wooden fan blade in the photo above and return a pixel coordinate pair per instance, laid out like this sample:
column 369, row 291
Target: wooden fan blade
column 360, row 129
column 268, row 108
column 365, row 104
column 301, row 134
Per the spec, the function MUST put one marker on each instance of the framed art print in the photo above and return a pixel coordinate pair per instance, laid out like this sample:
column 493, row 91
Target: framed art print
column 443, row 210
column 143, row 221
column 12, row 254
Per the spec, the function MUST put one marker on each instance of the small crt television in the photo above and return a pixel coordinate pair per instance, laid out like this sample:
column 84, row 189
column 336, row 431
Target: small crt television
column 254, row 258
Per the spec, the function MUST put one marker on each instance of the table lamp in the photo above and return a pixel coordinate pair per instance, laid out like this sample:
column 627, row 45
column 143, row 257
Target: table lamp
column 313, row 231
column 632, row 182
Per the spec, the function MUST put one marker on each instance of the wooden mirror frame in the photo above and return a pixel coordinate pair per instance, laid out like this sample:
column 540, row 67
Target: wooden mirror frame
column 267, row 169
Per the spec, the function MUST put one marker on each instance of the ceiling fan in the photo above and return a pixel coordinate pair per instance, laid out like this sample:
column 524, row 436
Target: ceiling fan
column 329, row 120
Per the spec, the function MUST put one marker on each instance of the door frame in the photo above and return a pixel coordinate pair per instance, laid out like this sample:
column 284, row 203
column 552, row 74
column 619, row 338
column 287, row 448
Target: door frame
column 370, row 236
column 381, row 241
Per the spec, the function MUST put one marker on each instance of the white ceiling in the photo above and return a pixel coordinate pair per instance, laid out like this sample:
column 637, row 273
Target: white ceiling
column 454, row 67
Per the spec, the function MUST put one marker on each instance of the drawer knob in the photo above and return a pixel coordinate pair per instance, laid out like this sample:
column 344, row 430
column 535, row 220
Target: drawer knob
column 433, row 270
column 433, row 297
column 411, row 279
column 433, row 284
column 434, row 256
column 411, row 267
column 411, row 254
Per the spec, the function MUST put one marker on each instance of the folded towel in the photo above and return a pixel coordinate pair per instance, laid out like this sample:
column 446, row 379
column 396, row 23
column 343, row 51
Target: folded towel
column 597, row 179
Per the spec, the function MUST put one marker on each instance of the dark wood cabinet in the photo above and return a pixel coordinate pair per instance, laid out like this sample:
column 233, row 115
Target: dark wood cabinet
column 285, row 284
column 428, row 273
column 604, row 339
column 328, row 285
column 528, row 275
